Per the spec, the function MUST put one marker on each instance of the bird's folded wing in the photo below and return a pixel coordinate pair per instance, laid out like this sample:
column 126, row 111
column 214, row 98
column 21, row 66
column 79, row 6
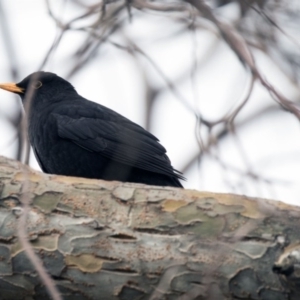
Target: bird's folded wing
column 124, row 142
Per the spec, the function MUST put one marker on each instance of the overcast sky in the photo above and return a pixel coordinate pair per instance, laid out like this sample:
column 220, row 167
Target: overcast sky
column 270, row 146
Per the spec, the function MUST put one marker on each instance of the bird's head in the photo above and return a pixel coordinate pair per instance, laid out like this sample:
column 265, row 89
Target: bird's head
column 42, row 86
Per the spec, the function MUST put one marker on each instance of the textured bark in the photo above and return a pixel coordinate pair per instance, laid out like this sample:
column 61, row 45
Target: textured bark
column 111, row 240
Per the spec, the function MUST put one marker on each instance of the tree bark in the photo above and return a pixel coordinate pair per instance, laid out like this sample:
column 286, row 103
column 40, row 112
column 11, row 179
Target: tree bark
column 112, row 240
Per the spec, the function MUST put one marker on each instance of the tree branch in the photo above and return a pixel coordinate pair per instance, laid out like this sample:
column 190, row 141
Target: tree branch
column 130, row 241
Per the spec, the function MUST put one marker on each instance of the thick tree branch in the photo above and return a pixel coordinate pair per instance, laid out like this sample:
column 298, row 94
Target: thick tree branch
column 111, row 240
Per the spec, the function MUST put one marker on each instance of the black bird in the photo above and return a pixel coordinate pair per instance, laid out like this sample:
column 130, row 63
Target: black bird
column 73, row 136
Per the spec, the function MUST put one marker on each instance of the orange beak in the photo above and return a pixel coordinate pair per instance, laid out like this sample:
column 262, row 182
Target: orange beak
column 11, row 87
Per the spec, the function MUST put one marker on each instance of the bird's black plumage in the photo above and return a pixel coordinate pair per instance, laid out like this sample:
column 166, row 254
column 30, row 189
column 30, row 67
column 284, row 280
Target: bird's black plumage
column 73, row 136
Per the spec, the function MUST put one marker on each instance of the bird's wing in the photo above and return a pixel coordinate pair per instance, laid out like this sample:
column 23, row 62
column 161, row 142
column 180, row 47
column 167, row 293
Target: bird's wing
column 122, row 141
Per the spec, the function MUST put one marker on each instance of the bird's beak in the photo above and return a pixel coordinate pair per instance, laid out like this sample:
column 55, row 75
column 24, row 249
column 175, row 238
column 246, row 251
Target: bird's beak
column 11, row 87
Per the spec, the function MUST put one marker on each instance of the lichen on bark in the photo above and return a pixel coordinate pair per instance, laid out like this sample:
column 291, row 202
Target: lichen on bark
column 112, row 240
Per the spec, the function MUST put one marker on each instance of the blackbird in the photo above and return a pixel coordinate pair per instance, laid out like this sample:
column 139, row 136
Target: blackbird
column 73, row 136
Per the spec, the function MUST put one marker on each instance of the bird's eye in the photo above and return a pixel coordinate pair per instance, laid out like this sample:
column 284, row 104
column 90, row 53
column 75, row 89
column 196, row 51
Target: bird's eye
column 37, row 85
